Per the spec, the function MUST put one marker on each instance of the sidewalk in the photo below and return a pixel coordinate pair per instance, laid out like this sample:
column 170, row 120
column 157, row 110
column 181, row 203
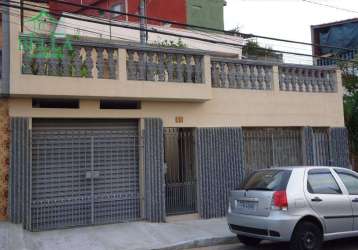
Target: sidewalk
column 126, row 236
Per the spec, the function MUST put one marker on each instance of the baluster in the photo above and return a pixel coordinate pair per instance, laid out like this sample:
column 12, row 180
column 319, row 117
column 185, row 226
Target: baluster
column 319, row 80
column 333, row 81
column 223, row 75
column 66, row 63
column 53, row 62
column 198, row 69
column 214, row 74
column 253, row 76
column 170, row 68
column 238, row 76
column 100, row 63
column 188, row 69
column 41, row 66
column 260, row 77
column 26, row 62
column 246, row 76
column 131, row 69
column 142, row 65
column 179, row 69
column 112, row 63
column 78, row 61
column 282, row 82
column 290, row 79
column 306, row 81
column 231, row 75
column 161, row 68
column 150, row 67
column 313, row 81
column 301, row 79
column 89, row 62
column 268, row 77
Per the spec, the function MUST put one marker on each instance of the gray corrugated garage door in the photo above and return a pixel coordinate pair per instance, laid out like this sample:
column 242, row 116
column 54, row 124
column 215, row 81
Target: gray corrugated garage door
column 84, row 172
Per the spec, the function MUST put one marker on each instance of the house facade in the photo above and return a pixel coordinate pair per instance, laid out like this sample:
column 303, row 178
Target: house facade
column 207, row 13
column 95, row 131
column 339, row 35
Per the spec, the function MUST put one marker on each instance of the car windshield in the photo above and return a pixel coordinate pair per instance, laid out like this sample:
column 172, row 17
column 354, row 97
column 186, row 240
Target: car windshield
column 267, row 180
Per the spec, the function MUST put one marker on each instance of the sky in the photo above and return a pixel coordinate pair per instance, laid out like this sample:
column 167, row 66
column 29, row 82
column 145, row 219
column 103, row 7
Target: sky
column 288, row 19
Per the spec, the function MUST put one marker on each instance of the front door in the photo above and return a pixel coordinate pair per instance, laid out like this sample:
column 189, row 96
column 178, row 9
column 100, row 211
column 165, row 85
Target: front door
column 327, row 199
column 180, row 176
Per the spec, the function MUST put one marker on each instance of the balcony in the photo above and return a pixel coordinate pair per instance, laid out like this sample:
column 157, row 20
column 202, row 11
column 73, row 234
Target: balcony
column 97, row 69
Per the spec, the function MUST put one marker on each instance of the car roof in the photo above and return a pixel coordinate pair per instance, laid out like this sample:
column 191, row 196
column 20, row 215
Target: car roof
column 304, row 167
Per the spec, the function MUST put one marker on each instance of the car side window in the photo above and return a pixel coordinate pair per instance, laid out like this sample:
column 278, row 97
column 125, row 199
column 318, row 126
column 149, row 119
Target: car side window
column 349, row 179
column 322, row 182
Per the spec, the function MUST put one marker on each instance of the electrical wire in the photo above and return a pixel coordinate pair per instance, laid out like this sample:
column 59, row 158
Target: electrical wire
column 167, row 33
column 245, row 35
column 198, row 32
column 330, row 6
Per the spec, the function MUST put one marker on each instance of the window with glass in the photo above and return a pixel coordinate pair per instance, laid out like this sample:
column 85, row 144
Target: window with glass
column 322, row 182
column 349, row 179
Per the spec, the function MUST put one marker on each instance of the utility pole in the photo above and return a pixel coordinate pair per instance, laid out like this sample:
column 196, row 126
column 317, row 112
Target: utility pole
column 143, row 26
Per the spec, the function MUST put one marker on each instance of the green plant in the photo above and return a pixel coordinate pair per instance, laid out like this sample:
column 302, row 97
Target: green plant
column 350, row 83
column 170, row 44
column 252, row 48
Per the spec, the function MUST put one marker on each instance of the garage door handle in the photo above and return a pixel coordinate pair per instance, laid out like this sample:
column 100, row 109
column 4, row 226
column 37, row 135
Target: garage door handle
column 316, row 199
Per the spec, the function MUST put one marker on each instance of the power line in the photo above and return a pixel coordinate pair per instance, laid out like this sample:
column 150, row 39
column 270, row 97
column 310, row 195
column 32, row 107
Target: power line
column 245, row 35
column 330, row 6
column 169, row 33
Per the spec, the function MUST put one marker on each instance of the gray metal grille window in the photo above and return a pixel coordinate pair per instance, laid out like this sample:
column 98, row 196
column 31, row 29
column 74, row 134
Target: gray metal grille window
column 267, row 147
column 84, row 172
column 321, row 153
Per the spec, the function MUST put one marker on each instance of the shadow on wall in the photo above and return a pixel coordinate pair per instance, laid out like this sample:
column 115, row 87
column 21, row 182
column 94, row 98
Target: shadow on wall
column 354, row 161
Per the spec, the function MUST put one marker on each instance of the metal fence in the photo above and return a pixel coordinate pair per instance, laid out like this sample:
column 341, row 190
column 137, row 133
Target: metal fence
column 267, row 147
column 180, row 178
column 84, row 175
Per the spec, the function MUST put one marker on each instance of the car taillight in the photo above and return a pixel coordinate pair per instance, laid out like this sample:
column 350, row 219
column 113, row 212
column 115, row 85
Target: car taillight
column 280, row 200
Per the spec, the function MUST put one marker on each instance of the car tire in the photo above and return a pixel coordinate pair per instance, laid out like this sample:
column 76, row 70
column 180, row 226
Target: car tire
column 307, row 236
column 249, row 241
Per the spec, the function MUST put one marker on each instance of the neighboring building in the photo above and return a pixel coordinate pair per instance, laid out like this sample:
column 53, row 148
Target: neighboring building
column 207, row 13
column 103, row 131
column 342, row 34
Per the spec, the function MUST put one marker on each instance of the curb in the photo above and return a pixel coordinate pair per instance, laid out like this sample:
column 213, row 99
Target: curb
column 201, row 243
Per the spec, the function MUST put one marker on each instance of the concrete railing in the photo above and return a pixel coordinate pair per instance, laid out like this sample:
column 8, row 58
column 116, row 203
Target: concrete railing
column 169, row 74
column 164, row 65
column 241, row 74
column 307, row 78
column 55, row 59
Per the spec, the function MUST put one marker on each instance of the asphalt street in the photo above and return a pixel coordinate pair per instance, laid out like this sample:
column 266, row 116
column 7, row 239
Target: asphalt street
column 345, row 244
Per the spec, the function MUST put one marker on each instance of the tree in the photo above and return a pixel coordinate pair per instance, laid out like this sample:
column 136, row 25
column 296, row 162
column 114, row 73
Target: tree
column 350, row 83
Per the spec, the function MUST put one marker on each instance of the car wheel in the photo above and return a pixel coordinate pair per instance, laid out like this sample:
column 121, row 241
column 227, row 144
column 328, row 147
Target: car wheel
column 248, row 241
column 307, row 236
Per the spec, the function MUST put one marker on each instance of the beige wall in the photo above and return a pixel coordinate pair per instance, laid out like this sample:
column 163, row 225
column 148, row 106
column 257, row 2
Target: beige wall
column 228, row 108
column 198, row 104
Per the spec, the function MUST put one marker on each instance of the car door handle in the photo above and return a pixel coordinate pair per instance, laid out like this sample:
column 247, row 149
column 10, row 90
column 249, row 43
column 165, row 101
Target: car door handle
column 355, row 200
column 316, row 199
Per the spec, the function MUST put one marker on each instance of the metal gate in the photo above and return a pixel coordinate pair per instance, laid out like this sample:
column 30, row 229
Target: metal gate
column 268, row 147
column 180, row 177
column 84, row 172
column 321, row 154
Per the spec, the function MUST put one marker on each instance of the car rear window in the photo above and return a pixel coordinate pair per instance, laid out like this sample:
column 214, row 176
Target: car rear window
column 270, row 180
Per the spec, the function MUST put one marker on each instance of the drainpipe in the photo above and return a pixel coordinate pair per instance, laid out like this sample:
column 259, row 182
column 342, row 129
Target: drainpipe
column 143, row 34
